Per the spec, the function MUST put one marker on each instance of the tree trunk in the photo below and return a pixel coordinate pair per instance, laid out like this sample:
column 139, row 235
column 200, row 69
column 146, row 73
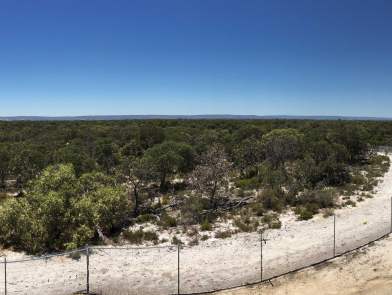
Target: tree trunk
column 163, row 182
column 136, row 198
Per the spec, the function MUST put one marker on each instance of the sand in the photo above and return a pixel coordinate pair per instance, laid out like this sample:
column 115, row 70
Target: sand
column 211, row 265
column 364, row 272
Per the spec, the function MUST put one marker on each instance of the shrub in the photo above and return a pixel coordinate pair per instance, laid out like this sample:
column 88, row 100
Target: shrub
column 191, row 210
column 273, row 199
column 275, row 224
column 193, row 232
column 167, row 221
column 328, row 212
column 134, row 237
column 205, row 226
column 204, row 237
column 145, row 218
column 315, row 200
column 305, row 213
column 194, row 242
column 358, row 179
column 243, row 226
column 349, row 203
column 247, row 183
column 176, row 241
column 62, row 211
column 151, row 236
column 258, row 209
column 223, row 234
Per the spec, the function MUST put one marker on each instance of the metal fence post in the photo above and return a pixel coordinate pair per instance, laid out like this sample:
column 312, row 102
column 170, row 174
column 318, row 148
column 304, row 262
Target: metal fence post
column 5, row 275
column 88, row 269
column 261, row 256
column 178, row 268
column 334, row 235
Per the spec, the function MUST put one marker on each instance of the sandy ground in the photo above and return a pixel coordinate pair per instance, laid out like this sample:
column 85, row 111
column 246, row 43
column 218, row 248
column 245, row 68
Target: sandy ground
column 213, row 264
column 365, row 272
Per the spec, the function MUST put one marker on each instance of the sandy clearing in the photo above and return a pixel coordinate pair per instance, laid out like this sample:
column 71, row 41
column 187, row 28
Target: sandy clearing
column 212, row 265
column 364, row 272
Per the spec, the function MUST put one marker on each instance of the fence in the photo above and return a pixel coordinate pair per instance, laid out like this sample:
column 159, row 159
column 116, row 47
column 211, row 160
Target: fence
column 214, row 265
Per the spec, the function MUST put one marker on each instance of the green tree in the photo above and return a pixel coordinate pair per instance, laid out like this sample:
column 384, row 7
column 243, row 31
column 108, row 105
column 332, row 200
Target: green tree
column 167, row 158
column 281, row 145
column 4, row 166
column 61, row 211
column 136, row 173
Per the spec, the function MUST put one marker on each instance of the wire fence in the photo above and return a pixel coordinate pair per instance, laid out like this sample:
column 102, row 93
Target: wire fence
column 221, row 264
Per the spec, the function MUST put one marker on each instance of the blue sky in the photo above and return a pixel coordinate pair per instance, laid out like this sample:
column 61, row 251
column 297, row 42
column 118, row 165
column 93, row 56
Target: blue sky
column 262, row 57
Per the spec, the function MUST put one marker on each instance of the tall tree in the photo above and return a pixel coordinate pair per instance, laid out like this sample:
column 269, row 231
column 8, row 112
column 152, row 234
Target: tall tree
column 136, row 173
column 210, row 177
column 167, row 158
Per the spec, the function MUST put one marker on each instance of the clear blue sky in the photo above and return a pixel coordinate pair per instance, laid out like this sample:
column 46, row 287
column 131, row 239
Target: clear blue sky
column 263, row 57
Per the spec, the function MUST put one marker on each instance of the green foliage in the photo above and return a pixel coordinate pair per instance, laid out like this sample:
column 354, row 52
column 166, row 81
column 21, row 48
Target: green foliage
column 192, row 209
column 305, row 213
column 60, row 212
column 243, row 226
column 204, row 237
column 134, row 237
column 281, row 145
column 169, row 157
column 176, row 241
column 206, row 225
column 64, row 206
column 145, row 218
column 167, row 221
column 223, row 234
column 273, row 199
column 248, row 183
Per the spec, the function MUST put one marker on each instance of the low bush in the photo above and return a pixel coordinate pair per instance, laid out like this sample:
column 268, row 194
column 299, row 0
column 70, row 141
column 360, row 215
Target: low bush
column 194, row 242
column 145, row 218
column 258, row 209
column 328, row 212
column 134, row 237
column 248, row 183
column 273, row 199
column 205, row 226
column 349, row 203
column 138, row 236
column 151, row 236
column 176, row 241
column 192, row 209
column 275, row 224
column 223, row 234
column 204, row 237
column 304, row 213
column 167, row 221
column 244, row 227
column 272, row 220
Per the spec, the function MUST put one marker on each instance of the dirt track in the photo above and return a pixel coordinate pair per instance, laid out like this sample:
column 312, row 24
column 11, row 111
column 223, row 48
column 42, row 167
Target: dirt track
column 364, row 272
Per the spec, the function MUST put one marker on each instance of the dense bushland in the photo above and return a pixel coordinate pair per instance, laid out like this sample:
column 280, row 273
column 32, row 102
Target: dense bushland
column 80, row 182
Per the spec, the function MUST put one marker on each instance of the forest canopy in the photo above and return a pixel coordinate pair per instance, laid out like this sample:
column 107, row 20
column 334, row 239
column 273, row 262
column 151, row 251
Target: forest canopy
column 74, row 182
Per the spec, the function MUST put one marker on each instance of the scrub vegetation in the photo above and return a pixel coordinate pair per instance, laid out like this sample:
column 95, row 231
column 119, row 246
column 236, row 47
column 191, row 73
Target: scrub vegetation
column 65, row 184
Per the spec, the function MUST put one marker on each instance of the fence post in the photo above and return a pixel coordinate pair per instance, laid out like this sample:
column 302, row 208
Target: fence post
column 5, row 275
column 334, row 235
column 88, row 269
column 261, row 256
column 391, row 216
column 178, row 268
